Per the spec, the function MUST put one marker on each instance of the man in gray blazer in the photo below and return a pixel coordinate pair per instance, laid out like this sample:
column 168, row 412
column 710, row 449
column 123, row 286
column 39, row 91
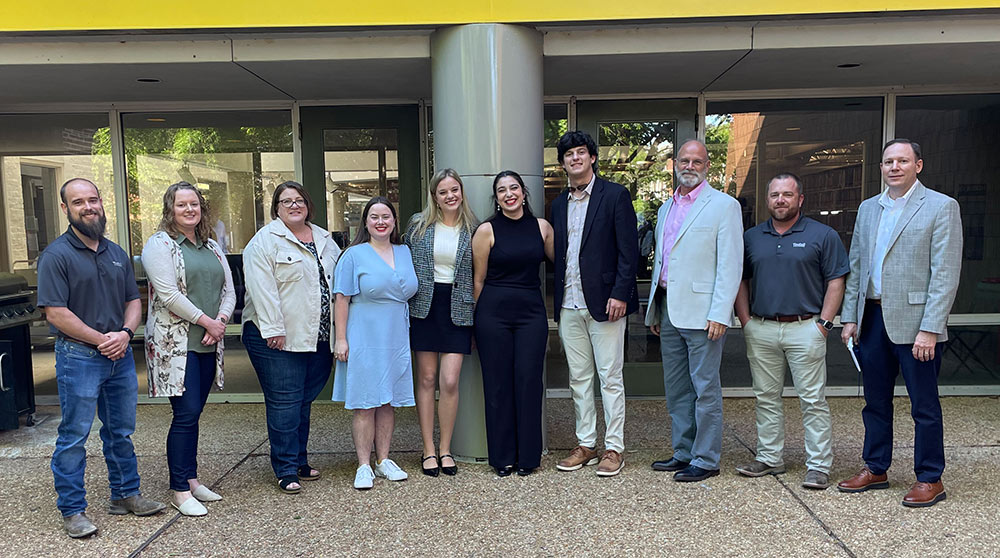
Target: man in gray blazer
column 906, row 257
column 696, row 275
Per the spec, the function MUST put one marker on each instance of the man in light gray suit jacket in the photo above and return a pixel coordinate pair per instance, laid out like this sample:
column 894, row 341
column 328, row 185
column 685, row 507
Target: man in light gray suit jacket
column 696, row 275
column 906, row 256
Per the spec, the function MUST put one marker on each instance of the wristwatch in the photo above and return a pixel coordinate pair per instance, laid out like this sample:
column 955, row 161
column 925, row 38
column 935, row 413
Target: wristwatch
column 827, row 324
column 131, row 334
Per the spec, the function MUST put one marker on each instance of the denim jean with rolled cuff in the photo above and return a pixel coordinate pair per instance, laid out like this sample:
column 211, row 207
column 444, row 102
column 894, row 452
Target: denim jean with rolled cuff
column 89, row 382
column 182, row 438
column 290, row 382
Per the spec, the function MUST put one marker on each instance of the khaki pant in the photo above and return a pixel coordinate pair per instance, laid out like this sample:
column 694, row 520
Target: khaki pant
column 772, row 348
column 592, row 346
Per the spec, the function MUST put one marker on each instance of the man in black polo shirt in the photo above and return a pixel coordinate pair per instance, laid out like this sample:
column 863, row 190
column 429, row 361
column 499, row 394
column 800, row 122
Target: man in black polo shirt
column 87, row 287
column 793, row 284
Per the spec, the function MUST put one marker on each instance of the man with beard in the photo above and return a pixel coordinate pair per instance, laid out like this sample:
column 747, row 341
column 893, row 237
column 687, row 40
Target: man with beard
column 87, row 288
column 793, row 283
column 696, row 275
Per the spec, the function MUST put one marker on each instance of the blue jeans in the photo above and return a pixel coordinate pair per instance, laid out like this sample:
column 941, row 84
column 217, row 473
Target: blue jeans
column 182, row 439
column 694, row 392
column 290, row 382
column 90, row 382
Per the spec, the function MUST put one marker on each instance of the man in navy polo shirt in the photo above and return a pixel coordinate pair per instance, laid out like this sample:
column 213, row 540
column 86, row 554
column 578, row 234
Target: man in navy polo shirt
column 87, row 288
column 793, row 284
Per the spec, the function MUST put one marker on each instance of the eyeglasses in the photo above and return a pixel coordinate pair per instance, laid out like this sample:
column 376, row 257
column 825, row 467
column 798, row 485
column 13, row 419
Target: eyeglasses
column 288, row 204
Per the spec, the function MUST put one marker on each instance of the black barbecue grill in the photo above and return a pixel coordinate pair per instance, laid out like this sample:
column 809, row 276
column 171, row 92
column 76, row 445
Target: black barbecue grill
column 17, row 383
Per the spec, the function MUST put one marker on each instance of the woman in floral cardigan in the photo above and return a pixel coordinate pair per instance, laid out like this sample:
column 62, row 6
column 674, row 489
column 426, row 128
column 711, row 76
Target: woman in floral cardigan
column 191, row 298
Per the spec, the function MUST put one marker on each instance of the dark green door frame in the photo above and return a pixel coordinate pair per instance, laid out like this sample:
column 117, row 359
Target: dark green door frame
column 403, row 118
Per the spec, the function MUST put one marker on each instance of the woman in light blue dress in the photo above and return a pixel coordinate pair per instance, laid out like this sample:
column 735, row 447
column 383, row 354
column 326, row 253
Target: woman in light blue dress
column 373, row 281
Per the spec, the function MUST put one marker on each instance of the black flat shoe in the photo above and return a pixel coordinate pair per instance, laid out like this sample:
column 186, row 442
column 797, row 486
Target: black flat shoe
column 672, row 464
column 693, row 473
column 430, row 472
column 505, row 471
column 525, row 471
column 450, row 471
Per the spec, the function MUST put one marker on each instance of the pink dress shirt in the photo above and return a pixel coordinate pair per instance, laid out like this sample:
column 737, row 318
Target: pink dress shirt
column 678, row 211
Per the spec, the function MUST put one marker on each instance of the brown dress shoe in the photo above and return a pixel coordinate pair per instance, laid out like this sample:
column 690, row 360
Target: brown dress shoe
column 577, row 458
column 611, row 464
column 924, row 494
column 864, row 480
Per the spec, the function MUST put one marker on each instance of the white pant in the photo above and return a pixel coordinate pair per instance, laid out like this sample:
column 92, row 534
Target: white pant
column 595, row 346
column 772, row 348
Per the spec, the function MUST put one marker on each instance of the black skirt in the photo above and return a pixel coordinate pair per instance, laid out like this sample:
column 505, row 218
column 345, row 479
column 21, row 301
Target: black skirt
column 437, row 333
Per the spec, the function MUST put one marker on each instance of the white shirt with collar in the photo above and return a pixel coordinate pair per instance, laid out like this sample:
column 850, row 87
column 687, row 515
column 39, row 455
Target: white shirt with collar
column 891, row 210
column 576, row 217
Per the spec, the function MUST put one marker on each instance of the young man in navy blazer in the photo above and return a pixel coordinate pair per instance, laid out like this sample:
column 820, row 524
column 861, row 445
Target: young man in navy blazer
column 596, row 261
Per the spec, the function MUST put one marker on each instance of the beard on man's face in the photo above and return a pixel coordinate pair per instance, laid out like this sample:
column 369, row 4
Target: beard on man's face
column 93, row 229
column 691, row 178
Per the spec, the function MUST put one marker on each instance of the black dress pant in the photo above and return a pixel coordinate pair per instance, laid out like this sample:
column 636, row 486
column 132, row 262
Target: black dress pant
column 511, row 333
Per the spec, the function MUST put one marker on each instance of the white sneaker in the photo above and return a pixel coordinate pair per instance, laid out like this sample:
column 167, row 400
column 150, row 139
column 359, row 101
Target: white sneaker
column 363, row 479
column 388, row 469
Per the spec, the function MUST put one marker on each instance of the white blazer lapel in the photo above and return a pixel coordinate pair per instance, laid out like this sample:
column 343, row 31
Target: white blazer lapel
column 699, row 204
column 916, row 201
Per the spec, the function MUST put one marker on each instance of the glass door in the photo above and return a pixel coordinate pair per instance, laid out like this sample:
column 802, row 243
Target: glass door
column 636, row 142
column 351, row 154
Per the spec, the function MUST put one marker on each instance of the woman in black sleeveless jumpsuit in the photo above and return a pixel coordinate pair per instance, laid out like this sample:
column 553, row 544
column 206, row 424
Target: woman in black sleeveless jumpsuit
column 511, row 328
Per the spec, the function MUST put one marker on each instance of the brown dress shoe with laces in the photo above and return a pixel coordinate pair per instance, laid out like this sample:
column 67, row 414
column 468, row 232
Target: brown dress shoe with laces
column 924, row 494
column 864, row 480
column 611, row 464
column 577, row 458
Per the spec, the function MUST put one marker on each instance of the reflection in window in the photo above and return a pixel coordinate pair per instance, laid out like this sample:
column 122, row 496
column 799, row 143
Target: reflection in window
column 360, row 163
column 832, row 144
column 235, row 158
column 640, row 156
column 958, row 135
column 37, row 154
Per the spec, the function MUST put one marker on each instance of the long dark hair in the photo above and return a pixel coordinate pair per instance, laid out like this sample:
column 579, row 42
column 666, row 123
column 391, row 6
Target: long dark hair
column 363, row 234
column 496, row 203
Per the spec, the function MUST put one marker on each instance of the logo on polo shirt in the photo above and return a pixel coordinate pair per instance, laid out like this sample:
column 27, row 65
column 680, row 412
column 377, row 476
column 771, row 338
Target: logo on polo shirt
column 119, row 264
column 798, row 245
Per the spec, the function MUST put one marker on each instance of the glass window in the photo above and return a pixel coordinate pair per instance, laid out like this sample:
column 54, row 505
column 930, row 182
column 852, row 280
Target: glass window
column 360, row 163
column 834, row 145
column 38, row 153
column 958, row 137
column 236, row 159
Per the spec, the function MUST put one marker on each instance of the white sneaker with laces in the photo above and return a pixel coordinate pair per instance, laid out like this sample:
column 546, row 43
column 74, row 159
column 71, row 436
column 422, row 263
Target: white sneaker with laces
column 388, row 469
column 364, row 478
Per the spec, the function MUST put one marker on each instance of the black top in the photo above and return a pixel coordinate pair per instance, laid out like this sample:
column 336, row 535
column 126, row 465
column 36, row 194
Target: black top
column 93, row 285
column 518, row 250
column 788, row 273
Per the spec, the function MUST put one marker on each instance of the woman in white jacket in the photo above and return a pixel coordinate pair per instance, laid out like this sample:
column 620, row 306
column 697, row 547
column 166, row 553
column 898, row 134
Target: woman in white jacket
column 288, row 325
column 191, row 298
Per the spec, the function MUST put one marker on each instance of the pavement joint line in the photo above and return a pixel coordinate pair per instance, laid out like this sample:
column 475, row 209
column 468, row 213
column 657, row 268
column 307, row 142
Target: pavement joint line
column 177, row 515
column 830, row 533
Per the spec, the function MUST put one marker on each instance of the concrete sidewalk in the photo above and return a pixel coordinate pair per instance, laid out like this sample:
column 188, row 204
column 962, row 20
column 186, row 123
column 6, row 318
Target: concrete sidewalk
column 638, row 513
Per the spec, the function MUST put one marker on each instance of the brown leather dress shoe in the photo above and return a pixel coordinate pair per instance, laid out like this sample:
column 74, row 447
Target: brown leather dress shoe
column 864, row 480
column 924, row 494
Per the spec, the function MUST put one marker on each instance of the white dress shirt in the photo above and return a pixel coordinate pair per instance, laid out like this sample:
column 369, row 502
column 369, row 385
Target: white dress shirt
column 891, row 210
column 576, row 217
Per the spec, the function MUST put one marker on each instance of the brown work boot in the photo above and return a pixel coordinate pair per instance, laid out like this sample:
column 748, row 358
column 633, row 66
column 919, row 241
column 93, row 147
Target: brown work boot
column 924, row 494
column 577, row 458
column 611, row 464
column 864, row 480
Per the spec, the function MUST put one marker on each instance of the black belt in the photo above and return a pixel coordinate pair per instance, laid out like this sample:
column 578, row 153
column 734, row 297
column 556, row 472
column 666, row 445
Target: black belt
column 874, row 301
column 785, row 319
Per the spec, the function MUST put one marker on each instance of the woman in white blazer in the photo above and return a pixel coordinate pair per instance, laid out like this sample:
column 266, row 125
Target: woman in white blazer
column 288, row 325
